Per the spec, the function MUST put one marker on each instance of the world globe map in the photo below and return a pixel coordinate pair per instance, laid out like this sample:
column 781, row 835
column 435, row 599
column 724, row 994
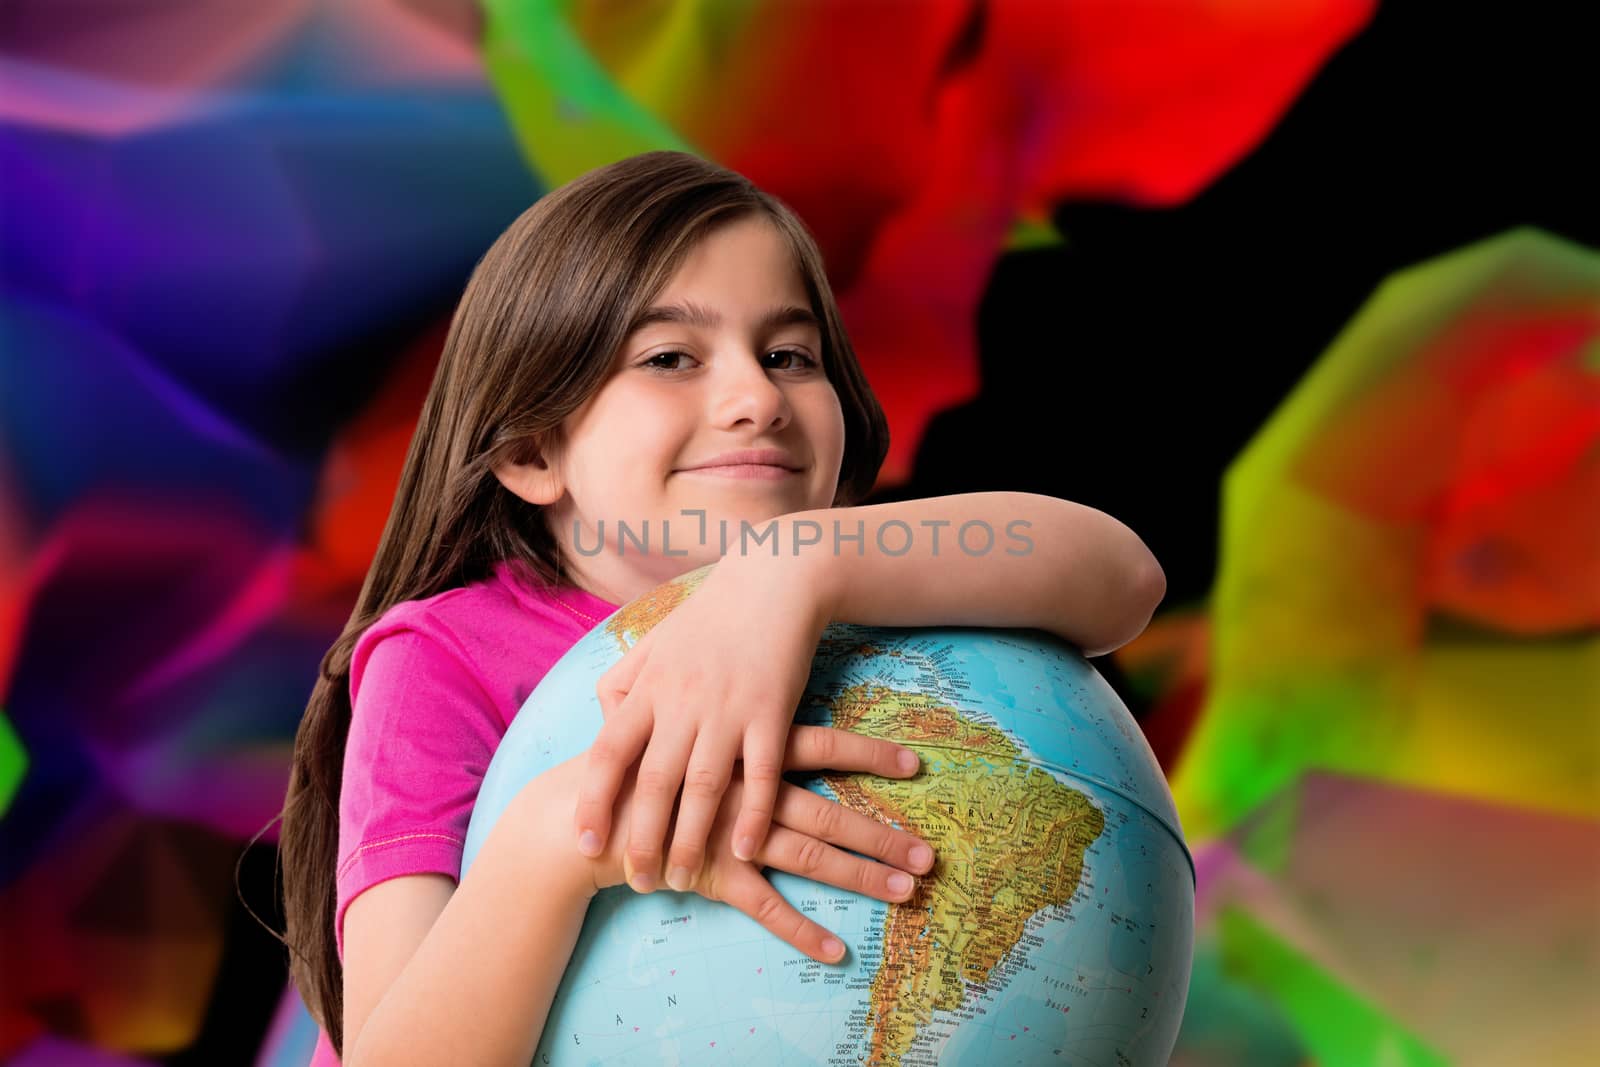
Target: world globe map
column 1057, row 925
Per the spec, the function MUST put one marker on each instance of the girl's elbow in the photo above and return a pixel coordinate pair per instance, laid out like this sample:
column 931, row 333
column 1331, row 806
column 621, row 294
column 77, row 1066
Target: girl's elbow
column 1147, row 590
column 1150, row 587
column 1140, row 597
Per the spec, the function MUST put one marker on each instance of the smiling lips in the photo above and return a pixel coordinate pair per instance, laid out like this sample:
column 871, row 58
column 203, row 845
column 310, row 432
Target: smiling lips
column 745, row 470
column 764, row 463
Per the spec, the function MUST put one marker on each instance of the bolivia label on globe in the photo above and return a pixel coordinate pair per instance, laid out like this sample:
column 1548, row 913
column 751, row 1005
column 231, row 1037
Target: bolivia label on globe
column 1056, row 927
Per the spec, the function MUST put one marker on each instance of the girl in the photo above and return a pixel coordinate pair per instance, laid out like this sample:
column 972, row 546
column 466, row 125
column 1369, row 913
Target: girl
column 646, row 369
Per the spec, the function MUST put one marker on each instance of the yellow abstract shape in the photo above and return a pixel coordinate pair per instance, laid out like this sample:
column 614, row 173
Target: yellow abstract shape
column 1409, row 583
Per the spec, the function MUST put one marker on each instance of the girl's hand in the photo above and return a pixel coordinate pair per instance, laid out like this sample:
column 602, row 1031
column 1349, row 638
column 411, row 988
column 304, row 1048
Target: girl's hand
column 806, row 828
column 718, row 680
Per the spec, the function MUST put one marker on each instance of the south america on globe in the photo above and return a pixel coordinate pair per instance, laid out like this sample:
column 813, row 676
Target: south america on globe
column 1057, row 925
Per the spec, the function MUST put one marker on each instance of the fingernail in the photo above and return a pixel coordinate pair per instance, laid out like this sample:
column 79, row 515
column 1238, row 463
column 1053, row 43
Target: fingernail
column 909, row 760
column 642, row 882
column 679, row 878
column 900, row 884
column 832, row 948
column 921, row 856
column 589, row 843
column 744, row 848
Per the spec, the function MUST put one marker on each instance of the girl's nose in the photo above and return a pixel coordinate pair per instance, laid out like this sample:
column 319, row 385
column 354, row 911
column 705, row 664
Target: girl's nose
column 746, row 392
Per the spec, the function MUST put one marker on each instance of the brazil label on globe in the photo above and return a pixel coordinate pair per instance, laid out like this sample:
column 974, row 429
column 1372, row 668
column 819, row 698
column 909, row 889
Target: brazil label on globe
column 1056, row 927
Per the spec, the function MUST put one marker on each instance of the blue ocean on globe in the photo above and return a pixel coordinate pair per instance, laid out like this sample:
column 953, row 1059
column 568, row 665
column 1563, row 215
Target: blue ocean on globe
column 1056, row 927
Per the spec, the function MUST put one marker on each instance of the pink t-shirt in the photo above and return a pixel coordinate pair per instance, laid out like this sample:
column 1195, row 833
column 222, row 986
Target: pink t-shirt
column 434, row 684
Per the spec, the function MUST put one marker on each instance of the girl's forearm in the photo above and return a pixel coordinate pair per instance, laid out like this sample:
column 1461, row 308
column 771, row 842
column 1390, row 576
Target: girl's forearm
column 480, row 985
column 1043, row 562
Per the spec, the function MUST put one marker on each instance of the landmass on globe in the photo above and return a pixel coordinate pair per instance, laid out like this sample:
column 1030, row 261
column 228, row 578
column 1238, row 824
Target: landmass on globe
column 976, row 793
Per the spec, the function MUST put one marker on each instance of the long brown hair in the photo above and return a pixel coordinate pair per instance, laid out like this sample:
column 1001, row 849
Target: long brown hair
column 532, row 339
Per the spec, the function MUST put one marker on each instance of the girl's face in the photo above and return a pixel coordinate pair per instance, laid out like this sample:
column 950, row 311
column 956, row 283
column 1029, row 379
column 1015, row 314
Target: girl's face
column 734, row 362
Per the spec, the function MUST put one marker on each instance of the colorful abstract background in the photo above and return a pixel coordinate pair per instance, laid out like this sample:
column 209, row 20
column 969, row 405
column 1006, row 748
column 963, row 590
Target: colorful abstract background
column 1307, row 292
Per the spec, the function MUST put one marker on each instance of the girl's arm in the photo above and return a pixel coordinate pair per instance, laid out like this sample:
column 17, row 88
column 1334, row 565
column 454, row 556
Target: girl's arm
column 434, row 976
column 692, row 697
column 471, row 981
column 1045, row 563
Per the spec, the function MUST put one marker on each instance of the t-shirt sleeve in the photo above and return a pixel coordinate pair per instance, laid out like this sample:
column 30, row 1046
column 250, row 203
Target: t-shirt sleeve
column 422, row 733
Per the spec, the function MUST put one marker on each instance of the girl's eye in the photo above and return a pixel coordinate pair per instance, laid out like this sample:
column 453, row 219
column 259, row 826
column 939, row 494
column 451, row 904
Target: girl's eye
column 803, row 361
column 653, row 365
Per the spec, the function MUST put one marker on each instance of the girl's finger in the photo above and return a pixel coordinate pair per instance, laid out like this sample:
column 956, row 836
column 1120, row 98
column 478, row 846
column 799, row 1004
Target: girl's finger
column 655, row 790
column 764, row 744
column 816, row 816
column 742, row 886
column 810, row 857
column 704, row 784
column 618, row 744
column 615, row 684
column 815, row 748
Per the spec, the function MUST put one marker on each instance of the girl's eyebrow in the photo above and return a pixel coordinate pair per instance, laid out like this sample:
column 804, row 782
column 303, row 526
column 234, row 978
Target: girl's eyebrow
column 692, row 314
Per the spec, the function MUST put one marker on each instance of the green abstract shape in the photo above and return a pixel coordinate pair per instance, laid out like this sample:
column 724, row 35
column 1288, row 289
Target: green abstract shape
column 1591, row 358
column 1267, row 839
column 568, row 112
column 1339, row 1028
column 1033, row 233
column 13, row 763
column 1227, row 1023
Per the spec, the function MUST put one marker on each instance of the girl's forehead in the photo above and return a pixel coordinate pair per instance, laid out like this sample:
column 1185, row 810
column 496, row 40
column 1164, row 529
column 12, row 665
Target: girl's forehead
column 782, row 312
column 748, row 253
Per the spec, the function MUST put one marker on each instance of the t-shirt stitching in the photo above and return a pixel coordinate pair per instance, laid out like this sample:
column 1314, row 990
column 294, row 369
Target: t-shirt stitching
column 394, row 839
column 548, row 595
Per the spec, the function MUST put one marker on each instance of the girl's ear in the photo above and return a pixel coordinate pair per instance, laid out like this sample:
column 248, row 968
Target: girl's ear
column 535, row 481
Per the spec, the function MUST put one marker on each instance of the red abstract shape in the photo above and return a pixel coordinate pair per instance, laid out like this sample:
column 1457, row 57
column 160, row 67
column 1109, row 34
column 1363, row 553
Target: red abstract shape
column 912, row 147
column 359, row 481
column 1485, row 441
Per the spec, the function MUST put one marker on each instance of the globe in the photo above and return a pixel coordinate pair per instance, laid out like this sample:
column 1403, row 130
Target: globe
column 1056, row 927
